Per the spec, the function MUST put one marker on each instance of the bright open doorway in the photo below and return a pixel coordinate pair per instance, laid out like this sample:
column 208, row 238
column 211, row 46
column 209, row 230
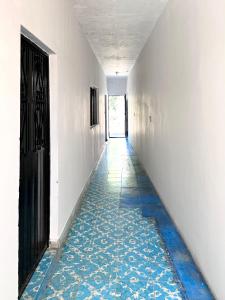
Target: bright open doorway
column 116, row 116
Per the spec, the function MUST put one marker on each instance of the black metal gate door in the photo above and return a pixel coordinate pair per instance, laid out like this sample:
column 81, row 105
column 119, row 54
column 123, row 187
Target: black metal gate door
column 34, row 160
column 106, row 118
column 126, row 116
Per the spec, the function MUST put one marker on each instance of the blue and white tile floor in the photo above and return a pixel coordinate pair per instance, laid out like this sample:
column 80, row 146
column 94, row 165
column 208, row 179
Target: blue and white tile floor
column 122, row 244
column 39, row 277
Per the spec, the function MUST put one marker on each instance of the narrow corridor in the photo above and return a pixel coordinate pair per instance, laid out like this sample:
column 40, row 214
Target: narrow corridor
column 112, row 250
column 143, row 81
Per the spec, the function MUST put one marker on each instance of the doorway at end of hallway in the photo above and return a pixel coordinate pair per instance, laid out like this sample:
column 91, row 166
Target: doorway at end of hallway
column 118, row 112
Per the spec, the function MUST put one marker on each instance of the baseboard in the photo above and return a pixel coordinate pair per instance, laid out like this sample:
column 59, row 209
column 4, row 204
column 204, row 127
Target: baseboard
column 59, row 243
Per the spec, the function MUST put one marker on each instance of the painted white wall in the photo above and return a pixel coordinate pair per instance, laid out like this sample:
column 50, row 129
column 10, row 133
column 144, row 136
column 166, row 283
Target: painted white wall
column 179, row 81
column 74, row 146
column 9, row 147
column 117, row 85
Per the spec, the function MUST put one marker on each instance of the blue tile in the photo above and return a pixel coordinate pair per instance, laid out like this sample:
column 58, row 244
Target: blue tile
column 36, row 282
column 122, row 244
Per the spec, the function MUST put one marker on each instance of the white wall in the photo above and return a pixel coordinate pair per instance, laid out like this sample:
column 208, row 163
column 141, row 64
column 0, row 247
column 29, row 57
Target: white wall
column 179, row 81
column 9, row 148
column 117, row 85
column 74, row 146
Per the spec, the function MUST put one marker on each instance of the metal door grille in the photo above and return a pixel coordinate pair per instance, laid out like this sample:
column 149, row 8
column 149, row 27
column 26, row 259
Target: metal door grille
column 34, row 160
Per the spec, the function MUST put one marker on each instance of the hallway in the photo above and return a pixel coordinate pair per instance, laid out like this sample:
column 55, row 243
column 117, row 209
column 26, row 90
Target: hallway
column 112, row 251
column 140, row 216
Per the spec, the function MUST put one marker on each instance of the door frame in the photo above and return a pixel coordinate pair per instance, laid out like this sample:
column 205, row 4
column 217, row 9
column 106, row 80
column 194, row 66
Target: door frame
column 34, row 251
column 106, row 118
column 54, row 143
column 53, row 131
column 115, row 137
column 126, row 116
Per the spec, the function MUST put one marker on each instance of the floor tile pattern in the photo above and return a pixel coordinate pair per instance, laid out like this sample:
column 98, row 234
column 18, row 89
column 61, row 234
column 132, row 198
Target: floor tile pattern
column 39, row 276
column 122, row 244
column 113, row 252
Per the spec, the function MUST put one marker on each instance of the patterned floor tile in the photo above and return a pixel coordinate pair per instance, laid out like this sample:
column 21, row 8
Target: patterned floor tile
column 112, row 250
column 39, row 275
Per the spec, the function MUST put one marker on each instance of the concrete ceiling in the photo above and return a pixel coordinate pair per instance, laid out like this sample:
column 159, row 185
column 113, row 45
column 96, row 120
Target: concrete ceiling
column 118, row 29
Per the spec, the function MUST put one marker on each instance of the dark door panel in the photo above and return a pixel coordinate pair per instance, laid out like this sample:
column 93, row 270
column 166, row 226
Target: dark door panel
column 106, row 118
column 126, row 116
column 34, row 160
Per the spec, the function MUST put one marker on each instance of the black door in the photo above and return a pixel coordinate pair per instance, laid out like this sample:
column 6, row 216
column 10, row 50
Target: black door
column 126, row 116
column 34, row 160
column 106, row 118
